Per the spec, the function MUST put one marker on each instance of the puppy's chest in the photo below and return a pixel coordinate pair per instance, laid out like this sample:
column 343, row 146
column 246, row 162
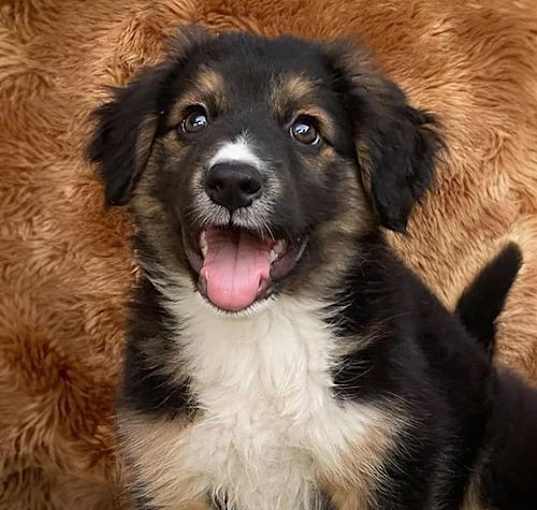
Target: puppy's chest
column 259, row 449
column 271, row 427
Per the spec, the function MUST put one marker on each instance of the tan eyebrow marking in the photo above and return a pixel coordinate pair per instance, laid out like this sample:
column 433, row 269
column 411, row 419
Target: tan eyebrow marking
column 208, row 81
column 297, row 93
column 289, row 89
column 207, row 87
column 297, row 87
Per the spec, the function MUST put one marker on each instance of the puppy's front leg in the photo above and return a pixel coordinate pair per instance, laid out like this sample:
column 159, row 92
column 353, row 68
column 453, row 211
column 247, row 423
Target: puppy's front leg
column 160, row 475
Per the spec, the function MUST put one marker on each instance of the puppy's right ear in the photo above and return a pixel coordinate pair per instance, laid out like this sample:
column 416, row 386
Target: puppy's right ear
column 126, row 126
column 397, row 144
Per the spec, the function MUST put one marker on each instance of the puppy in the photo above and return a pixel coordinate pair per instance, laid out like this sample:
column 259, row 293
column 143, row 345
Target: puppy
column 279, row 355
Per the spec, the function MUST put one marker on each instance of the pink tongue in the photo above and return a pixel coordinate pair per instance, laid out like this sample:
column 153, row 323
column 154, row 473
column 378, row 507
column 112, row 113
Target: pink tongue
column 235, row 267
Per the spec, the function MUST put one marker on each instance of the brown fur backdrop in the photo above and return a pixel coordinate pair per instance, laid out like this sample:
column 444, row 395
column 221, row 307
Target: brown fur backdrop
column 65, row 266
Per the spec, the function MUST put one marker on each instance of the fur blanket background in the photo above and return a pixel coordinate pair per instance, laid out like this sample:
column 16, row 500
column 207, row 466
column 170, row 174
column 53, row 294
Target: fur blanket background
column 65, row 266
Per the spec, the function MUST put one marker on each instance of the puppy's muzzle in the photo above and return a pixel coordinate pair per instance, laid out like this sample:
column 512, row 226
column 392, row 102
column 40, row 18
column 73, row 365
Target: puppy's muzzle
column 233, row 185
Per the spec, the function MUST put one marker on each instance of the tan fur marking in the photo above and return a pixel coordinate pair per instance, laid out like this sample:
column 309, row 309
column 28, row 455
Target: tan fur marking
column 289, row 91
column 297, row 92
column 155, row 446
column 209, row 82
column 295, row 88
column 207, row 87
column 366, row 165
column 353, row 485
column 144, row 141
column 473, row 499
column 328, row 152
column 143, row 201
column 354, row 220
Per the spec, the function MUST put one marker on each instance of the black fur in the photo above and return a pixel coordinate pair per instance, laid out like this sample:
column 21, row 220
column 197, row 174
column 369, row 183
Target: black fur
column 426, row 358
column 146, row 387
column 509, row 460
column 482, row 302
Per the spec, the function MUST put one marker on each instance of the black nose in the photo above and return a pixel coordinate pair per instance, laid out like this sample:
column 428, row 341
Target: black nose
column 233, row 185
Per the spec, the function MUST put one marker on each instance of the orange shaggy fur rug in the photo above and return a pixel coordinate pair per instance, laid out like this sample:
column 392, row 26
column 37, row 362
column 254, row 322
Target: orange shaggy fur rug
column 65, row 265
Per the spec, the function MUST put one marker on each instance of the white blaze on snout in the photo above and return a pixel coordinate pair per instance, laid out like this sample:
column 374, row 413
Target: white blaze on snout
column 237, row 151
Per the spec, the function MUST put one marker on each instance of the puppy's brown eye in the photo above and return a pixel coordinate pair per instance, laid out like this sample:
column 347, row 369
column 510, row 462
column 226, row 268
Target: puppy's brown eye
column 304, row 131
column 195, row 120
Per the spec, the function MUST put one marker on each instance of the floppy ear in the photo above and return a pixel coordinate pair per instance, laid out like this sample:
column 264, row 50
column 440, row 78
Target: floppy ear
column 397, row 145
column 126, row 126
column 122, row 141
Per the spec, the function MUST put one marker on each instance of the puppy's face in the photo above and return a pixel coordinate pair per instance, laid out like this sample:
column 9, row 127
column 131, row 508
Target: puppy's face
column 244, row 158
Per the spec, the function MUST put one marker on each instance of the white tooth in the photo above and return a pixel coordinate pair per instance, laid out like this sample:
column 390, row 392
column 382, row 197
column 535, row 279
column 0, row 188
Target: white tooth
column 280, row 247
column 203, row 243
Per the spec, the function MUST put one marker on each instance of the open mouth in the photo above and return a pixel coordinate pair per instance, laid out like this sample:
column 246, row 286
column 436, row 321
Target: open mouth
column 237, row 268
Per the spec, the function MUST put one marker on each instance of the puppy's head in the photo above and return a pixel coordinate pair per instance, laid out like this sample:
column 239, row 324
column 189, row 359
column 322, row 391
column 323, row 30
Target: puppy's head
column 255, row 165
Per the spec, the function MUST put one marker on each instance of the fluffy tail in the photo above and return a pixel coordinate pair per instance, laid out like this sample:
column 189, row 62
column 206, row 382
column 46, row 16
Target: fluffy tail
column 484, row 299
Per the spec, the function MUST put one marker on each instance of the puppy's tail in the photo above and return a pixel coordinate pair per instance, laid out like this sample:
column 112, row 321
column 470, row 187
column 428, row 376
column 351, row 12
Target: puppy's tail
column 483, row 300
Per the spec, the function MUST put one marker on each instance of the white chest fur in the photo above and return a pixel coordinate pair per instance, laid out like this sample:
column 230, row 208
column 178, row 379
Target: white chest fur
column 269, row 426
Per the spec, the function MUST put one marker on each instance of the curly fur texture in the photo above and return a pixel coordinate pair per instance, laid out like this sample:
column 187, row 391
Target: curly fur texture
column 65, row 268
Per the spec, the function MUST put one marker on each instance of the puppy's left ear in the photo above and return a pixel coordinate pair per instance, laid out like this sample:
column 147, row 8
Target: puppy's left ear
column 126, row 125
column 397, row 145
